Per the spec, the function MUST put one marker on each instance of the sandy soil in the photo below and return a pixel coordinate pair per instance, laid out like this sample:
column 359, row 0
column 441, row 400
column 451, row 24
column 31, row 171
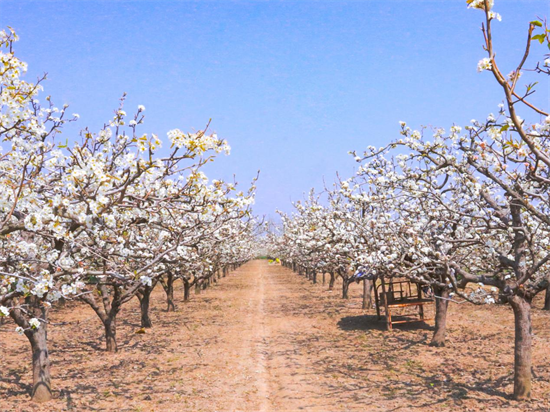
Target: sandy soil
column 265, row 339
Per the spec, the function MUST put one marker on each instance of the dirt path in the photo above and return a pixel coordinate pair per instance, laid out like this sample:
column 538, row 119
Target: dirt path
column 266, row 366
column 265, row 339
column 270, row 340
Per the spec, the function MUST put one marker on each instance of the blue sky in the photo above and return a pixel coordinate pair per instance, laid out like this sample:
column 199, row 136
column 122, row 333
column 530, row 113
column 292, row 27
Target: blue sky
column 293, row 85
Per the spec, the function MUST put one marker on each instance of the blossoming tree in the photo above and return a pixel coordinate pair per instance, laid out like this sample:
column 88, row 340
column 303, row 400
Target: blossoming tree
column 464, row 211
column 100, row 220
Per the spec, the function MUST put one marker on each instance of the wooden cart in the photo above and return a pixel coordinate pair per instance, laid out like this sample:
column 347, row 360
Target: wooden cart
column 399, row 293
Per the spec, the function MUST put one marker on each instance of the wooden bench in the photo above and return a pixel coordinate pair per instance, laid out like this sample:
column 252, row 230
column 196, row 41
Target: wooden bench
column 399, row 294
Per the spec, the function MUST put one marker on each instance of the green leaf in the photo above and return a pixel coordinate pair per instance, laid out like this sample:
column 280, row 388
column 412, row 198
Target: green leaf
column 539, row 37
column 536, row 23
column 531, row 86
column 504, row 128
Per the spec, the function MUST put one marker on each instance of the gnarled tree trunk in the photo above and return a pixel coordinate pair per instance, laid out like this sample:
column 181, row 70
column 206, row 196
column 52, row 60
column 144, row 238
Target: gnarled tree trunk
column 38, row 338
column 523, row 347
column 144, row 297
column 186, row 290
column 41, row 386
column 345, row 288
column 107, row 313
column 441, row 305
column 367, row 293
column 110, row 333
column 331, row 282
column 168, row 286
column 547, row 298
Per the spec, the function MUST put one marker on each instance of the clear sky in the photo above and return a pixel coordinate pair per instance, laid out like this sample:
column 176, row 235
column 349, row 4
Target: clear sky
column 292, row 85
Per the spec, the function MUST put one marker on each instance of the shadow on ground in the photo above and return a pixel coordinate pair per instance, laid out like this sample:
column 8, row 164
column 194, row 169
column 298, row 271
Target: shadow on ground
column 371, row 322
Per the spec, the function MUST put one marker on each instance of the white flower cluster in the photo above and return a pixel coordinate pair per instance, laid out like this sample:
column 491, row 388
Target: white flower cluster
column 198, row 143
column 484, row 64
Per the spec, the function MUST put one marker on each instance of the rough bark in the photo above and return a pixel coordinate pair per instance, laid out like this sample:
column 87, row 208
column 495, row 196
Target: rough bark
column 332, row 280
column 38, row 339
column 168, row 286
column 41, row 387
column 186, row 290
column 144, row 297
column 367, row 293
column 314, row 277
column 345, row 287
column 547, row 298
column 441, row 305
column 110, row 333
column 523, row 347
column 107, row 312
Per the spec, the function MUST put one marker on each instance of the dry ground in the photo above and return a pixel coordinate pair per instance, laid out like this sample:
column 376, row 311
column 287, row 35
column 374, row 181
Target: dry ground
column 265, row 339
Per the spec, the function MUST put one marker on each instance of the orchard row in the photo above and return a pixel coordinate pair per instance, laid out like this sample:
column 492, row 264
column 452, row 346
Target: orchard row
column 103, row 218
column 465, row 211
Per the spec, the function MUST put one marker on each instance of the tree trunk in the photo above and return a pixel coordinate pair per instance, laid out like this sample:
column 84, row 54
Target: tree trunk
column 144, row 300
column 331, row 282
column 441, row 305
column 41, row 386
column 186, row 291
column 170, row 306
column 367, row 293
column 547, row 299
column 522, row 348
column 324, row 278
column 314, row 277
column 110, row 333
column 345, row 287
column 168, row 286
column 107, row 313
column 38, row 338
